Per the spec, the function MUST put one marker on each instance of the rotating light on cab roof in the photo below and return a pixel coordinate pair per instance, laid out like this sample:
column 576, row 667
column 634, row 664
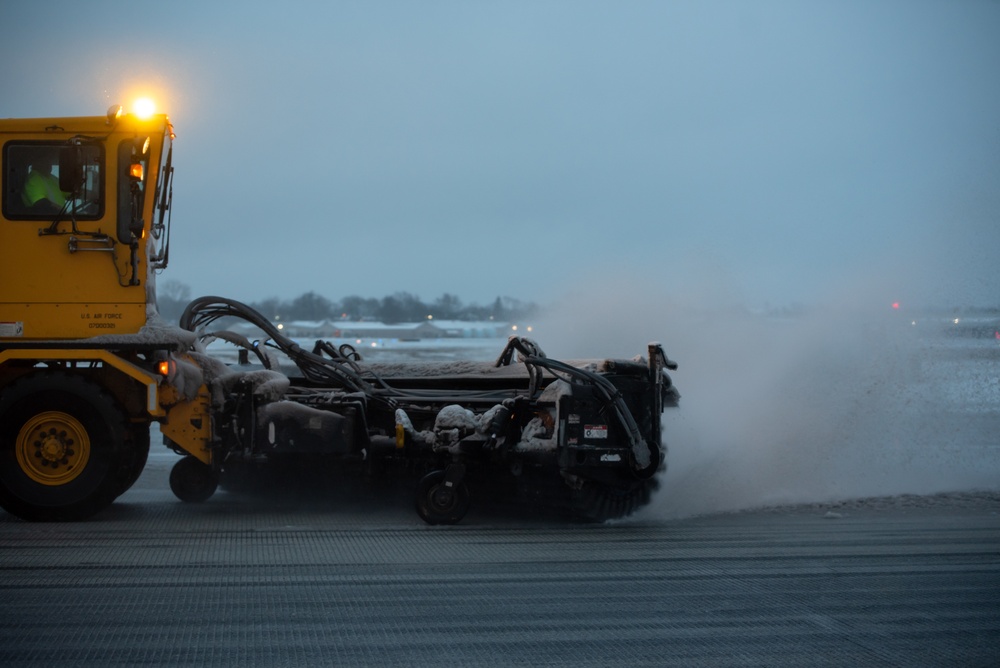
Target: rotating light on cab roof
column 144, row 107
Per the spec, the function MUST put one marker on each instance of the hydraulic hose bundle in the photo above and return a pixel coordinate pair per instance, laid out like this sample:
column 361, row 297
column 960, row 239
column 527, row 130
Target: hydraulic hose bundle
column 314, row 367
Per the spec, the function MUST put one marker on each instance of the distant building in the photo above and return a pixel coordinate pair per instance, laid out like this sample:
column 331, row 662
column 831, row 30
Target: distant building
column 462, row 329
column 436, row 329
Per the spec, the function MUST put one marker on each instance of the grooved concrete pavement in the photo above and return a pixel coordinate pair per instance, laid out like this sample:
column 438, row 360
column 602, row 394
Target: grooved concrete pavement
column 342, row 580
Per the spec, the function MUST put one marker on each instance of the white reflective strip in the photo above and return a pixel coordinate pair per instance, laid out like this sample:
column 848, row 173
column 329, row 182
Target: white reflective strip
column 152, row 402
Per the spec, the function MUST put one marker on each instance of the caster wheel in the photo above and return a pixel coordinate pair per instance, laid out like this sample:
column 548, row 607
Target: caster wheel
column 439, row 503
column 192, row 481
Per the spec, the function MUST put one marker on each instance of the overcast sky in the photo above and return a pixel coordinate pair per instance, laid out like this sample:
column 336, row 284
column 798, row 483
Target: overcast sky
column 778, row 149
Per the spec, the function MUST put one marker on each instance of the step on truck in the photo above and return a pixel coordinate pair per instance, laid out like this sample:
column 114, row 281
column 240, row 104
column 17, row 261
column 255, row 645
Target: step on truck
column 87, row 366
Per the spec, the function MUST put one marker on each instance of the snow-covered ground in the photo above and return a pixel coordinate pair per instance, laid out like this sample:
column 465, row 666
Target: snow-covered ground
column 398, row 350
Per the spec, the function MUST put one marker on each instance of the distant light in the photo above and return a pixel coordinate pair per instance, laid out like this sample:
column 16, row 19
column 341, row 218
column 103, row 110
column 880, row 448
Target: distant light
column 281, row 326
column 374, row 344
column 144, row 108
column 955, row 321
column 895, row 305
column 513, row 328
column 430, row 317
column 529, row 328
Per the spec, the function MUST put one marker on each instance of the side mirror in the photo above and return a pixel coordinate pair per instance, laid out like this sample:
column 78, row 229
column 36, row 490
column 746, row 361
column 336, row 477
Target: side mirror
column 70, row 169
column 130, row 192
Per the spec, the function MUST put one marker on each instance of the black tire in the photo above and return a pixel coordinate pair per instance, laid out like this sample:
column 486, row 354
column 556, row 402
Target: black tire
column 438, row 504
column 62, row 448
column 193, row 481
column 136, row 456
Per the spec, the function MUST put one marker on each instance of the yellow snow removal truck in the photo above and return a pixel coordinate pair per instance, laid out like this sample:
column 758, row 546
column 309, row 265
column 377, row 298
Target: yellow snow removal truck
column 87, row 365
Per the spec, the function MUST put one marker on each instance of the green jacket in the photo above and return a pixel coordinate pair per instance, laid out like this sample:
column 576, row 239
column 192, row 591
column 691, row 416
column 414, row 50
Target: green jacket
column 40, row 185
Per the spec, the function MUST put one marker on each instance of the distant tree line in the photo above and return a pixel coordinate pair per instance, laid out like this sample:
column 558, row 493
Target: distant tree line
column 173, row 296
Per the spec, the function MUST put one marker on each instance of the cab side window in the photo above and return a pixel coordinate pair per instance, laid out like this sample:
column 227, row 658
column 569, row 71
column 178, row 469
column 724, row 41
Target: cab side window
column 39, row 180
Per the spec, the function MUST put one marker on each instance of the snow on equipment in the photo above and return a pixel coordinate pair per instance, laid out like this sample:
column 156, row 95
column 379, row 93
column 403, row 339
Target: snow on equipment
column 86, row 365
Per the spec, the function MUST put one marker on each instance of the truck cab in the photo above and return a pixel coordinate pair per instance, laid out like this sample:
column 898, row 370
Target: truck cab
column 84, row 360
column 84, row 225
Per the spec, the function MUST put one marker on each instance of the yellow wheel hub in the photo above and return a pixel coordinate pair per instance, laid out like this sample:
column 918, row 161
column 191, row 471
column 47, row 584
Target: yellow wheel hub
column 53, row 448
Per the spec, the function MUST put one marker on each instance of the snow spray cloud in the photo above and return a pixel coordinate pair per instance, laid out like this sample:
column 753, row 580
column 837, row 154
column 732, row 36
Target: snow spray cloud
column 839, row 403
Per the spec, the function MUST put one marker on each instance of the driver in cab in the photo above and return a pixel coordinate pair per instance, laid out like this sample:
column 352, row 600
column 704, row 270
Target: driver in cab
column 41, row 186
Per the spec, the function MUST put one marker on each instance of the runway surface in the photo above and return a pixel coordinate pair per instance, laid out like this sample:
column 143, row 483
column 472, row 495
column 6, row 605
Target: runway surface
column 355, row 578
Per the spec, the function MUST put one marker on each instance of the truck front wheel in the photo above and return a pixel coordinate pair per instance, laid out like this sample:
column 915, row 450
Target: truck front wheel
column 137, row 450
column 61, row 448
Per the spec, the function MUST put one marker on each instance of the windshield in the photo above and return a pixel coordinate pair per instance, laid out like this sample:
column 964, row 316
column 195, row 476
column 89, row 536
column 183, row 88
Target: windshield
column 38, row 183
column 161, row 203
